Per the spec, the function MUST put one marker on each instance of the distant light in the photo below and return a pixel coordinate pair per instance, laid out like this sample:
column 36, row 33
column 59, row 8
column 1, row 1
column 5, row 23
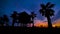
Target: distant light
column 53, row 26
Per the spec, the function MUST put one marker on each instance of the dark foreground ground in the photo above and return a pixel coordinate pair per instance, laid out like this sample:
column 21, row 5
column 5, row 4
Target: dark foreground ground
column 28, row 29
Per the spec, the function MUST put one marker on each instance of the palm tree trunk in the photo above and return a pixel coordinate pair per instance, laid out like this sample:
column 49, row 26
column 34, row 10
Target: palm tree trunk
column 49, row 22
column 7, row 24
column 33, row 23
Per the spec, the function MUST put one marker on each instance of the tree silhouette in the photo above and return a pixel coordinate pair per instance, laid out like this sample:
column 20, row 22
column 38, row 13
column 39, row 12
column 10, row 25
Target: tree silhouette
column 47, row 11
column 1, row 21
column 33, row 16
column 14, row 17
column 5, row 19
column 24, row 18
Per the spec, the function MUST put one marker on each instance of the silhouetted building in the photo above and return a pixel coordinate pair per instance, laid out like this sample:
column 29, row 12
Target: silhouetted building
column 24, row 18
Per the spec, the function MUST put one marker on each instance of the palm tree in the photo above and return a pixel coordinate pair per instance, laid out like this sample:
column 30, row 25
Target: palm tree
column 1, row 21
column 47, row 11
column 14, row 17
column 33, row 16
column 5, row 19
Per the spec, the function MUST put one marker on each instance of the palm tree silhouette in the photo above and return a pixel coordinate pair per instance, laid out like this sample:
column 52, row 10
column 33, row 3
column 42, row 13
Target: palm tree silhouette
column 1, row 21
column 33, row 15
column 14, row 17
column 47, row 11
column 5, row 19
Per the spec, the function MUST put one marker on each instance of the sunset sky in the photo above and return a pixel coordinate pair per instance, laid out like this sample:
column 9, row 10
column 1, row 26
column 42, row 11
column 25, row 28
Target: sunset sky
column 8, row 6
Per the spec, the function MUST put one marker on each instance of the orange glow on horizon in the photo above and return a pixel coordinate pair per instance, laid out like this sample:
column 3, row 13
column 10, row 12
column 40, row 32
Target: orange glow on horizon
column 53, row 26
column 57, row 23
column 39, row 23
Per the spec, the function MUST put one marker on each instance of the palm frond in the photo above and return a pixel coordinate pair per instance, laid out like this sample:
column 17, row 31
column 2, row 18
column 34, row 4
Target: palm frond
column 42, row 12
column 43, row 6
column 51, row 12
column 47, row 5
column 52, row 5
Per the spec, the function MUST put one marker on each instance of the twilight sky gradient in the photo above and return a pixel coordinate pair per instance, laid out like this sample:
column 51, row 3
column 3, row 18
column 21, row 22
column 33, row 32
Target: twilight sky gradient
column 8, row 6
